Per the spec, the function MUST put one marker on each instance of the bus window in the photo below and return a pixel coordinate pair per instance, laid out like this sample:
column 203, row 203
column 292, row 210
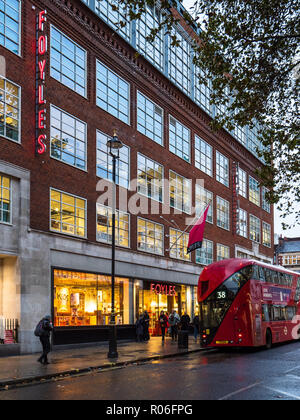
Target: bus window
column 268, row 273
column 265, row 313
column 275, row 279
column 261, row 272
column 255, row 272
column 291, row 312
column 281, row 279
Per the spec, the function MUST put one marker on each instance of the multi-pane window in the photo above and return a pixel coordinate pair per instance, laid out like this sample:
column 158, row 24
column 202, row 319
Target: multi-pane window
column 153, row 51
column 254, row 229
column 104, row 162
column 242, row 183
column 222, row 169
column 5, row 199
column 222, row 213
column 292, row 259
column 112, row 93
column 202, row 91
column 265, row 203
column 68, row 62
column 115, row 15
column 243, row 223
column 104, row 226
column 68, row 138
column 149, row 119
column 180, row 192
column 10, row 17
column 179, row 139
column 9, row 110
column 203, row 156
column 203, row 198
column 205, row 255
column 150, row 237
column 223, row 252
column 179, row 244
column 266, row 234
column 68, row 213
column 179, row 62
column 150, row 178
column 254, row 191
column 240, row 134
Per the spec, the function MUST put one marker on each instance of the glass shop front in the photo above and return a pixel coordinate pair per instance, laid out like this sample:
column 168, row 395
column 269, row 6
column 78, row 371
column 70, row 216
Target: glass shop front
column 82, row 305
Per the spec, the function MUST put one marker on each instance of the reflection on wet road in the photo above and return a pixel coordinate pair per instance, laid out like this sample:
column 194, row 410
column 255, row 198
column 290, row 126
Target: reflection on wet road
column 212, row 375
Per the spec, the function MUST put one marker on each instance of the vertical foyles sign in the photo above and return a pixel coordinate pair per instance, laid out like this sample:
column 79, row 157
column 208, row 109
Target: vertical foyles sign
column 41, row 66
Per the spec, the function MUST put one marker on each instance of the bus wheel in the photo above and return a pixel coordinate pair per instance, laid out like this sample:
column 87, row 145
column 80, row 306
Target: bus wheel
column 268, row 340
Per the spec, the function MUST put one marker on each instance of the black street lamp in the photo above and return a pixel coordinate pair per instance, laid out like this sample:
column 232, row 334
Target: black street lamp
column 114, row 145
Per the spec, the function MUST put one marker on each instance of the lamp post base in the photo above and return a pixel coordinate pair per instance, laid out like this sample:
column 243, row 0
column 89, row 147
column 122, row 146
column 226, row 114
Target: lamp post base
column 112, row 352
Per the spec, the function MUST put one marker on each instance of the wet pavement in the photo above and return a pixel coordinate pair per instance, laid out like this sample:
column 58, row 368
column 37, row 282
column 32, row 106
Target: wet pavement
column 23, row 369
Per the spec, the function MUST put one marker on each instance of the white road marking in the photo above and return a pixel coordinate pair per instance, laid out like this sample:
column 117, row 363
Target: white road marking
column 282, row 392
column 239, row 391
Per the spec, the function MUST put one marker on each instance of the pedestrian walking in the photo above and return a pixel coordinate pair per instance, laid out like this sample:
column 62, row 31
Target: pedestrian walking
column 163, row 322
column 43, row 331
column 174, row 321
column 146, row 326
column 185, row 321
column 196, row 325
column 139, row 328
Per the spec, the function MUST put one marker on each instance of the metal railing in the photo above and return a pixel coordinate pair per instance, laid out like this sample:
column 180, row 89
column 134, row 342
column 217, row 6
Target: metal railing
column 9, row 330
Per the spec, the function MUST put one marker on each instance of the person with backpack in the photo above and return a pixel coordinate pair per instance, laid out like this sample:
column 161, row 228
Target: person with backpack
column 43, row 331
column 174, row 320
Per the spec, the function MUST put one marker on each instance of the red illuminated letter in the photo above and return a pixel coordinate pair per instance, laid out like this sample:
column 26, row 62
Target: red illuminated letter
column 42, row 119
column 42, row 19
column 41, row 146
column 41, row 95
column 42, row 65
column 42, row 45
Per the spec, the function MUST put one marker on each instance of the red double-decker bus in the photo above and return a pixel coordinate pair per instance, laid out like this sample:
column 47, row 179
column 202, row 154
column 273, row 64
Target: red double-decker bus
column 248, row 303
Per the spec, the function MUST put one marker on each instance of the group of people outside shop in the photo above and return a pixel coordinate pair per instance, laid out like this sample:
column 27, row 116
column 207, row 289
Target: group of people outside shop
column 168, row 324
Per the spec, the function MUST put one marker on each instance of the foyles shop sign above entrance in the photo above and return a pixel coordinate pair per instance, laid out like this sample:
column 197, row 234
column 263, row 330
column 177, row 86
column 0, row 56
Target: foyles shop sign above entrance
column 163, row 289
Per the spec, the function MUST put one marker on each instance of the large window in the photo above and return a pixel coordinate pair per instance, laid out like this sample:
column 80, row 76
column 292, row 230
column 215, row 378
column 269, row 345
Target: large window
column 113, row 93
column 180, row 63
column 68, row 214
column 104, row 162
column 179, row 139
column 254, row 229
column 68, row 138
column 203, row 198
column 84, row 299
column 266, row 234
column 104, row 226
column 154, row 52
column 265, row 203
column 254, row 191
column 242, row 183
column 243, row 223
column 203, row 156
column 9, row 110
column 5, row 199
column 10, row 19
column 68, row 62
column 205, row 255
column 223, row 252
column 202, row 91
column 149, row 118
column 222, row 169
column 180, row 193
column 222, row 213
column 150, row 237
column 115, row 15
column 150, row 178
column 179, row 244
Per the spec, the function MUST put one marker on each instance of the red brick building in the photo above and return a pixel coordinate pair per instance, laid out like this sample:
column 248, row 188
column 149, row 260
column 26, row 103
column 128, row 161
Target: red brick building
column 68, row 78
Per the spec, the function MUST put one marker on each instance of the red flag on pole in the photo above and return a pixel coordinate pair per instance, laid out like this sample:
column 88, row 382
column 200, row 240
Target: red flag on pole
column 196, row 234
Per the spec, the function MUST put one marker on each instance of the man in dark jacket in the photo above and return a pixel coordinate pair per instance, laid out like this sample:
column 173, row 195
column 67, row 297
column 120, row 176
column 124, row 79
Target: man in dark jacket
column 45, row 339
column 185, row 322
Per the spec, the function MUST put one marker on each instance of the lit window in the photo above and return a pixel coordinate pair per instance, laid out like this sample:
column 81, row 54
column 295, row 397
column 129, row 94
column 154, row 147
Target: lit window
column 68, row 138
column 222, row 169
column 202, row 91
column 68, row 62
column 203, row 198
column 179, row 244
column 265, row 203
column 205, row 255
column 223, row 252
column 150, row 178
column 203, row 156
column 10, row 18
column 115, row 15
column 243, row 223
column 254, row 191
column 68, row 214
column 104, row 162
column 254, row 229
column 266, row 231
column 5, row 199
column 112, row 93
column 104, row 226
column 180, row 193
column 154, row 52
column 180, row 63
column 179, row 139
column 222, row 213
column 150, row 237
column 242, row 183
column 149, row 119
column 9, row 110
